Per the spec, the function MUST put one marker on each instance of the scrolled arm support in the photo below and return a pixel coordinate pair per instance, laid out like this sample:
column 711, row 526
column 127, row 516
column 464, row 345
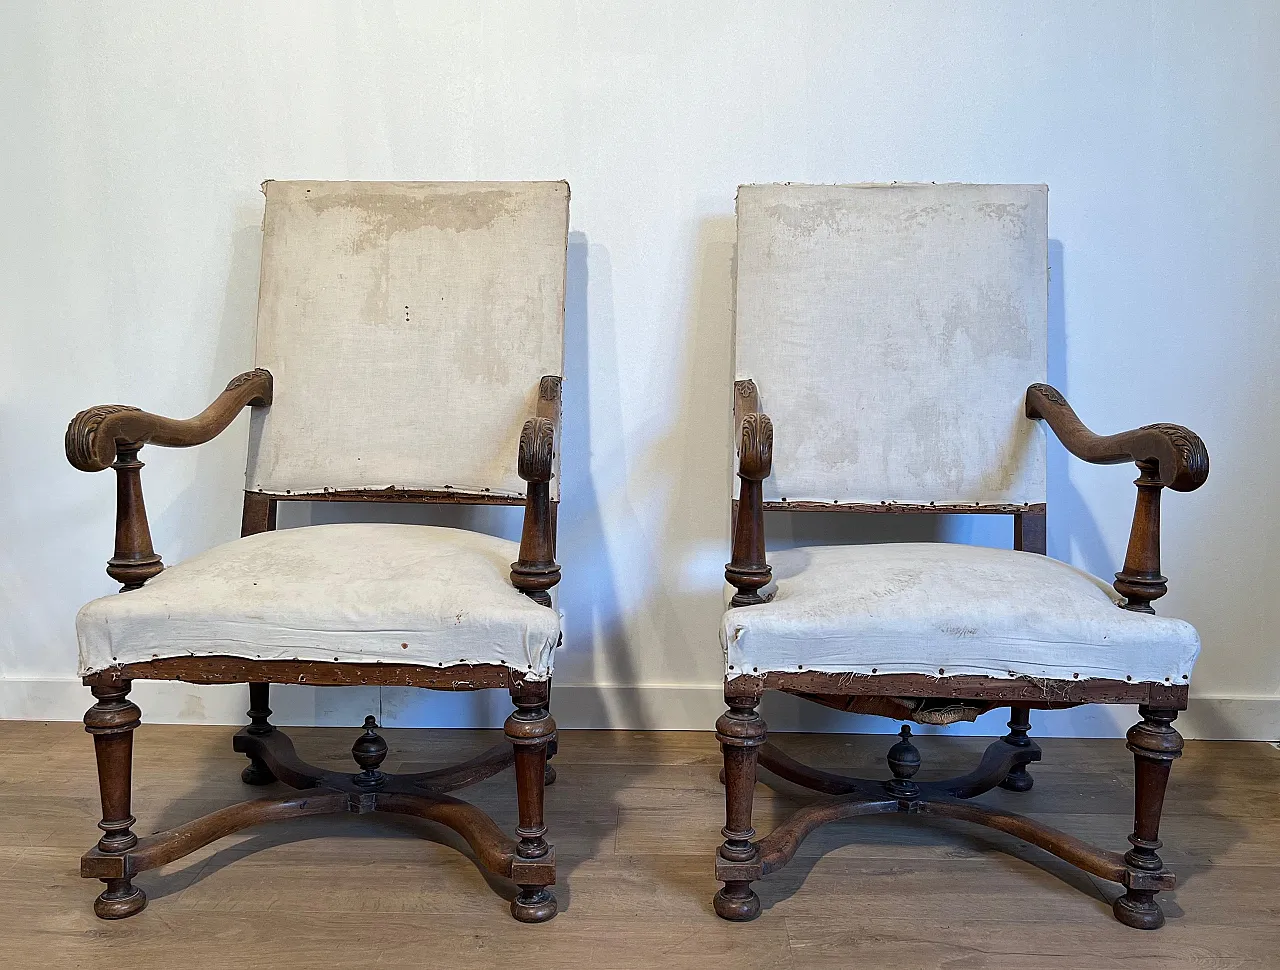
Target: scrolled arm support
column 1179, row 457
column 749, row 570
column 536, row 572
column 111, row 435
column 95, row 436
column 1167, row 456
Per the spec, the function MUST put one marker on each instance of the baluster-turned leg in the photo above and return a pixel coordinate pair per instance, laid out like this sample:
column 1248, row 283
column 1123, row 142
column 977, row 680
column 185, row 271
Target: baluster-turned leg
column 1018, row 779
column 531, row 730
column 256, row 772
column 1155, row 744
column 112, row 721
column 553, row 748
column 741, row 730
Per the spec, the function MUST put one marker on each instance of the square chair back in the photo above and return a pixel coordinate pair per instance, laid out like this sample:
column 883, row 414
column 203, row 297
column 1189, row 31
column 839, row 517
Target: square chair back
column 407, row 326
column 891, row 332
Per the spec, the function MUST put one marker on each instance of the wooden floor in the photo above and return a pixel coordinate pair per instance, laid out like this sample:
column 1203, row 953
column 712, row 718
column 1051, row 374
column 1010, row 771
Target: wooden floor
column 635, row 819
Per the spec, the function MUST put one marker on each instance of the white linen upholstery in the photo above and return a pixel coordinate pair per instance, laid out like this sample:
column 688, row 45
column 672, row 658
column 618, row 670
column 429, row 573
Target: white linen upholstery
column 891, row 331
column 357, row 592
column 407, row 326
column 945, row 609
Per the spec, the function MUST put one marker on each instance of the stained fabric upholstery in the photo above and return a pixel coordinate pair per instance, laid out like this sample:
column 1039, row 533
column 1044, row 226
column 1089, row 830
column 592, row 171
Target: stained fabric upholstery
column 945, row 609
column 352, row 592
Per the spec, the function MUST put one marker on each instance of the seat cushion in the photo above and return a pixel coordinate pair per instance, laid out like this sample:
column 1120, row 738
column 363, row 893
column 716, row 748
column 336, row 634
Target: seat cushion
column 946, row 609
column 358, row 592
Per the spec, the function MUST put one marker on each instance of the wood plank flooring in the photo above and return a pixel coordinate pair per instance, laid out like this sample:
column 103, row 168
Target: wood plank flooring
column 635, row 818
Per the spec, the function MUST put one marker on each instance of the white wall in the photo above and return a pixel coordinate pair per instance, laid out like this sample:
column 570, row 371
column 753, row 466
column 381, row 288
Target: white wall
column 137, row 133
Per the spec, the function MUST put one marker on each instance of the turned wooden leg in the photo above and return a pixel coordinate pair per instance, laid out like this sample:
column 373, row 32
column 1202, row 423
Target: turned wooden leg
column 1155, row 744
column 112, row 721
column 256, row 772
column 740, row 731
column 1018, row 779
column 549, row 776
column 531, row 730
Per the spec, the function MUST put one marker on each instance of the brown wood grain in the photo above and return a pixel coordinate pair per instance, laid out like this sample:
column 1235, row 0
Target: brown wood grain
column 317, row 673
column 1027, row 691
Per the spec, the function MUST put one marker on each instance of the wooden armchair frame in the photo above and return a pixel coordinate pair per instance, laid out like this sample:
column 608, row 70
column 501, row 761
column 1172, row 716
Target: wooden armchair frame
column 1167, row 455
column 111, row 436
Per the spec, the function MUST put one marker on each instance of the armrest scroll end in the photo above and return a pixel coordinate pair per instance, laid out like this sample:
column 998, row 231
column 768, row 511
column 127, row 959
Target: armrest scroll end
column 90, row 447
column 537, row 450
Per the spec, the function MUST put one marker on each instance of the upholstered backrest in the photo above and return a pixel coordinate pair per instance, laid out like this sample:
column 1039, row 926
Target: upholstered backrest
column 407, row 326
column 891, row 332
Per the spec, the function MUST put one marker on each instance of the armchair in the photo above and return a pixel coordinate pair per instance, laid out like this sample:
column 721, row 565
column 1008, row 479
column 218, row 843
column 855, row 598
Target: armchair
column 897, row 335
column 410, row 346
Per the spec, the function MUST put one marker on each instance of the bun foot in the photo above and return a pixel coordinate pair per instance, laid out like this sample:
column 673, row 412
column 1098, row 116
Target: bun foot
column 1139, row 909
column 534, row 904
column 549, row 775
column 119, row 900
column 1019, row 779
column 737, row 903
column 256, row 773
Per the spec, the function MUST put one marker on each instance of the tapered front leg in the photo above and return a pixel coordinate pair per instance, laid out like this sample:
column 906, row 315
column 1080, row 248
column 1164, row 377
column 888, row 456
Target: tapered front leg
column 740, row 732
column 112, row 721
column 531, row 730
column 1155, row 745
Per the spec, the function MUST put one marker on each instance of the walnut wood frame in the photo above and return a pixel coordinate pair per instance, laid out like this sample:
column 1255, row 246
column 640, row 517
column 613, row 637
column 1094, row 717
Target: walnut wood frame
column 1166, row 456
column 110, row 436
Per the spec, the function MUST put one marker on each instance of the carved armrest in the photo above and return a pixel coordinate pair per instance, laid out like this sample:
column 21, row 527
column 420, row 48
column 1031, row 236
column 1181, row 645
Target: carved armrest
column 1179, row 457
column 111, row 435
column 96, row 436
column 748, row 570
column 1167, row 455
column 536, row 571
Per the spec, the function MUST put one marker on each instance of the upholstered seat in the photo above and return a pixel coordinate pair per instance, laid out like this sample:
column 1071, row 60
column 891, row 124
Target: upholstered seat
column 357, row 592
column 946, row 609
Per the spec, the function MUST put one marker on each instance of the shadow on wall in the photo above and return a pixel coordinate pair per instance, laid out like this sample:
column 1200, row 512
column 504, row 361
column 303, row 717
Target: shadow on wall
column 691, row 464
column 596, row 645
column 1072, row 527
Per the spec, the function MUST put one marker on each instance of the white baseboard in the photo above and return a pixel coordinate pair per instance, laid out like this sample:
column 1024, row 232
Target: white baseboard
column 641, row 708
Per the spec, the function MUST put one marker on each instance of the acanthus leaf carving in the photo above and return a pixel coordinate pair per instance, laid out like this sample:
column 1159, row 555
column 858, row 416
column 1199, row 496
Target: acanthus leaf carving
column 1193, row 464
column 82, row 439
column 1050, row 394
column 258, row 373
column 755, row 447
column 549, row 388
column 537, row 443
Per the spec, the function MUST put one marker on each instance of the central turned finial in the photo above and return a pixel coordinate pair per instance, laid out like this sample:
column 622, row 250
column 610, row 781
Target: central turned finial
column 369, row 751
column 904, row 761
